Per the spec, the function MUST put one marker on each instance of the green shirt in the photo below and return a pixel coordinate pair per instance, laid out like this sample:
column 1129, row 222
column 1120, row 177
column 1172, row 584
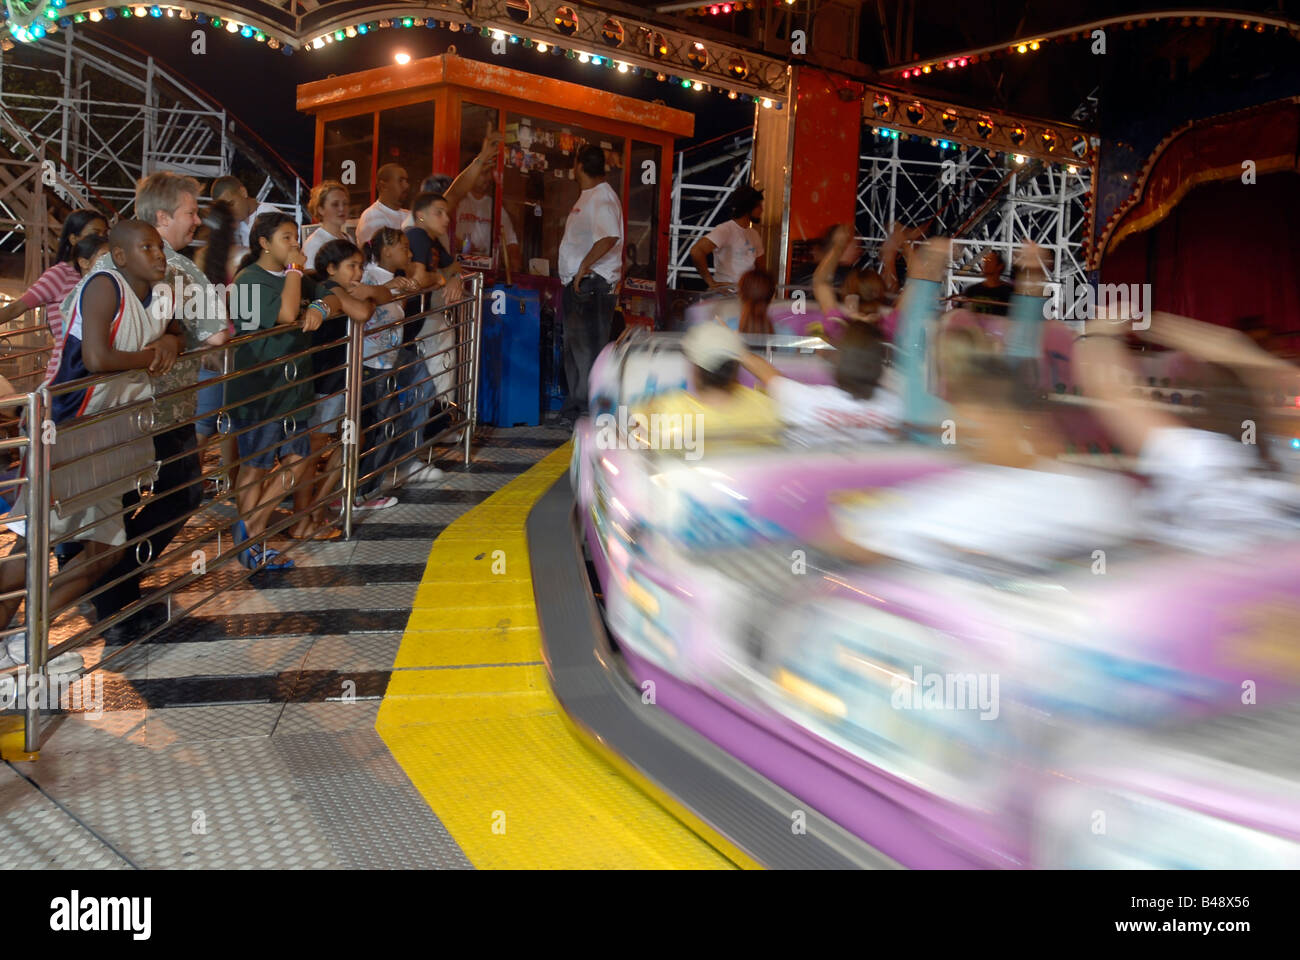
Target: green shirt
column 260, row 289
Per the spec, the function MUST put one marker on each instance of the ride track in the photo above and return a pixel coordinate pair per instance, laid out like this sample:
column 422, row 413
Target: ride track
column 746, row 816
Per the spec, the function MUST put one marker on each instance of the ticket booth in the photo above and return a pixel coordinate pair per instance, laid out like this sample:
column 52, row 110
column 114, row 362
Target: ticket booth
column 431, row 116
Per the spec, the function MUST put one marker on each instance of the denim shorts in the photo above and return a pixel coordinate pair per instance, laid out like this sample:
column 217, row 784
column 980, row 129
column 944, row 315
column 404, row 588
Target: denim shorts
column 210, row 400
column 325, row 415
column 283, row 438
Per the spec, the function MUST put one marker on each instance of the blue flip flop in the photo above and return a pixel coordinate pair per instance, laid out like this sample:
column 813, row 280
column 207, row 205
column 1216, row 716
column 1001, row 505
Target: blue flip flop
column 254, row 557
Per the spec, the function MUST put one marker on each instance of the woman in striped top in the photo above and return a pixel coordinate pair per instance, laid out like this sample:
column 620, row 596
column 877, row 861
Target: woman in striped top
column 52, row 286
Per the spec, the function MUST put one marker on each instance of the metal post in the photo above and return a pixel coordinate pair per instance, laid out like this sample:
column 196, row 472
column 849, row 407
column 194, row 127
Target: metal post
column 675, row 232
column 66, row 104
column 352, row 403
column 147, row 138
column 1062, row 211
column 38, row 563
column 893, row 187
column 477, row 330
column 225, row 146
column 783, row 255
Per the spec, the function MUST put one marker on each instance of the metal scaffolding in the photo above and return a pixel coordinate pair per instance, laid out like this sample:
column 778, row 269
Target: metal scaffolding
column 82, row 121
column 700, row 194
column 984, row 202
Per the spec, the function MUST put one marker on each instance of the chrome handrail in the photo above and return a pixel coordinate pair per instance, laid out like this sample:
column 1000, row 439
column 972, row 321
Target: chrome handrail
column 439, row 371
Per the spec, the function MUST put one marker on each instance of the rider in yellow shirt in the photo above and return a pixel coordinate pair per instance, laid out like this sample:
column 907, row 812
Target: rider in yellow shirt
column 716, row 404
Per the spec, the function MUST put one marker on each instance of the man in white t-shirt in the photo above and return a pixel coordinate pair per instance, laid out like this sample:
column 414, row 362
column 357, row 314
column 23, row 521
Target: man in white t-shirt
column 857, row 405
column 247, row 209
column 590, row 262
column 473, row 222
column 387, row 210
column 736, row 246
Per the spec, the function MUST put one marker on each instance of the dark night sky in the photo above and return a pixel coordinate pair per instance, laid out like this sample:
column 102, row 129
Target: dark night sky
column 257, row 84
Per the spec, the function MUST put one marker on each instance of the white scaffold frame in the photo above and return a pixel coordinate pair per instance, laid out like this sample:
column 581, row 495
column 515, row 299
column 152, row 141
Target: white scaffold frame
column 983, row 202
column 95, row 149
column 700, row 204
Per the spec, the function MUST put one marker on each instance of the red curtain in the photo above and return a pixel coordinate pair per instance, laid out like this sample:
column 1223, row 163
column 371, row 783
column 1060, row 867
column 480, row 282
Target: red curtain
column 1228, row 251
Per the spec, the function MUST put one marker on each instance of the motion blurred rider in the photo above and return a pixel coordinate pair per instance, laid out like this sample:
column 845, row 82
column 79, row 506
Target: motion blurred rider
column 857, row 402
column 716, row 403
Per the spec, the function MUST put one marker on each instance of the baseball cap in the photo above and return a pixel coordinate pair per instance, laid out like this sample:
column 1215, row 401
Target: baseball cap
column 711, row 345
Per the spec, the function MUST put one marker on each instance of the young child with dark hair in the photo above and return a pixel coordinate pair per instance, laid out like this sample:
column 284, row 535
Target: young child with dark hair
column 271, row 405
column 389, row 265
column 339, row 265
column 110, row 329
column 53, row 286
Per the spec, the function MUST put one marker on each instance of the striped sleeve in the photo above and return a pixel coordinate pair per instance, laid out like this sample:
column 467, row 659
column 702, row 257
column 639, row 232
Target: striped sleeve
column 51, row 286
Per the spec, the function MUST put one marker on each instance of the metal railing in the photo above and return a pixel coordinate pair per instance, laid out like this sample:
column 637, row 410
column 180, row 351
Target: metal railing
column 397, row 402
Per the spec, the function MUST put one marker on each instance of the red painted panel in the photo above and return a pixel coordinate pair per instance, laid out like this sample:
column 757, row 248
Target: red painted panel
column 824, row 179
column 446, row 131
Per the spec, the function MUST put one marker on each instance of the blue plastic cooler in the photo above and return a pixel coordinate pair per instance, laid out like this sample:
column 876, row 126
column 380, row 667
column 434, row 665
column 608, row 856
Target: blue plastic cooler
column 509, row 391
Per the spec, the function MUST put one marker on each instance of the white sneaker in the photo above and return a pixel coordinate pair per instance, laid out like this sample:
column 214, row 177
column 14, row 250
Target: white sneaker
column 418, row 471
column 65, row 663
column 427, row 473
column 14, row 653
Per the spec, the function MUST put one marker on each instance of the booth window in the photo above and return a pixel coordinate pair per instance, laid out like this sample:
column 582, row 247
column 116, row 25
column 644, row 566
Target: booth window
column 475, row 239
column 540, row 185
column 406, row 138
column 642, row 249
column 350, row 140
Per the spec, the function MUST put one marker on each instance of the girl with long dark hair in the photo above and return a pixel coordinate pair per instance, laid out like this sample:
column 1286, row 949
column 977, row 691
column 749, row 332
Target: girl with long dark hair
column 214, row 259
column 339, row 264
column 271, row 405
column 389, row 265
column 756, row 290
column 52, row 286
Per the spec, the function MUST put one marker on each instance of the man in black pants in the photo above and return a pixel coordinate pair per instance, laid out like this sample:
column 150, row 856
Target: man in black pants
column 170, row 202
column 590, row 262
